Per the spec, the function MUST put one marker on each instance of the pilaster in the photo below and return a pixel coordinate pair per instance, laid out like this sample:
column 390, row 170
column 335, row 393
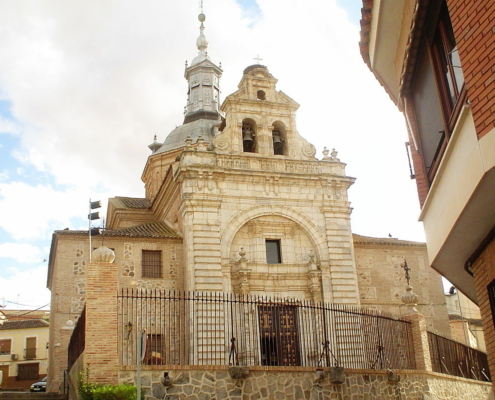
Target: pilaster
column 101, row 352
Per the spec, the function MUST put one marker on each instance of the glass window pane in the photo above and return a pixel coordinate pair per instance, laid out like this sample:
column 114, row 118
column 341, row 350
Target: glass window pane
column 273, row 255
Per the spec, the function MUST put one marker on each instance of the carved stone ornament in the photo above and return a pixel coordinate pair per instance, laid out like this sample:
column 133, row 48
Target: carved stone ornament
column 308, row 150
column 221, row 142
column 410, row 298
column 103, row 255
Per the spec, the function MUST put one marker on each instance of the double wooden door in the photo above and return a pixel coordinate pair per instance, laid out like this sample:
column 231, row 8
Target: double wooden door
column 279, row 342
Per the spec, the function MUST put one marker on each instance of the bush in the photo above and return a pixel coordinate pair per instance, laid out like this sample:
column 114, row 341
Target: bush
column 94, row 391
column 115, row 392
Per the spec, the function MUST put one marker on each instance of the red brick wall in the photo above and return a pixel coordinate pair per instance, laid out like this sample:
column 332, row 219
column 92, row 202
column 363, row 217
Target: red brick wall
column 101, row 323
column 474, row 29
column 484, row 273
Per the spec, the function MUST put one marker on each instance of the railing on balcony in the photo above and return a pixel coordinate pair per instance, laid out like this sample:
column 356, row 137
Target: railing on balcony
column 30, row 353
column 77, row 340
column 454, row 358
column 224, row 329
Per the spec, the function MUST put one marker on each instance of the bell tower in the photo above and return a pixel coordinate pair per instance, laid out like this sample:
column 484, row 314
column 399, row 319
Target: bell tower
column 261, row 120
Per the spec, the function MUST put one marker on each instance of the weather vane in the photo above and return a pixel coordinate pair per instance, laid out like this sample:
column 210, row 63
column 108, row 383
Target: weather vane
column 406, row 269
column 258, row 59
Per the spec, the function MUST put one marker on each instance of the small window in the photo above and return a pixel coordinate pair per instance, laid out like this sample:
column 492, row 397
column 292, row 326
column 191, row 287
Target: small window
column 152, row 264
column 30, row 348
column 261, row 95
column 5, row 346
column 156, row 349
column 273, row 255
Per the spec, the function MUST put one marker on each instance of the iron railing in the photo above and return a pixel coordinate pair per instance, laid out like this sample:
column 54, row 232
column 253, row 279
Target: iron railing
column 454, row 358
column 77, row 340
column 30, row 353
column 193, row 328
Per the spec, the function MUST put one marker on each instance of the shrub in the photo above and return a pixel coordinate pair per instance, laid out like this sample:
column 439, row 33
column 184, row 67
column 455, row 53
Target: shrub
column 94, row 391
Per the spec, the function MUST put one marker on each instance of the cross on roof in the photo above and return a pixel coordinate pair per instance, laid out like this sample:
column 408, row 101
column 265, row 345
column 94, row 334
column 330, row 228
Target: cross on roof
column 406, row 269
column 258, row 59
column 201, row 6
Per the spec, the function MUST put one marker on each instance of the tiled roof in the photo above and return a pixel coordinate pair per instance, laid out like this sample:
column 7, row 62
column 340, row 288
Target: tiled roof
column 157, row 229
column 365, row 30
column 26, row 324
column 135, row 202
column 358, row 239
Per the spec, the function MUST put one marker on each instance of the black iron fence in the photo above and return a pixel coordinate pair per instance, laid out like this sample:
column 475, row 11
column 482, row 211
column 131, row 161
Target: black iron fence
column 77, row 340
column 192, row 328
column 453, row 358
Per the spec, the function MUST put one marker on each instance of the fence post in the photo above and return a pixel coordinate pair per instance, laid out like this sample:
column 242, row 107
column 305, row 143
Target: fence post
column 419, row 333
column 101, row 352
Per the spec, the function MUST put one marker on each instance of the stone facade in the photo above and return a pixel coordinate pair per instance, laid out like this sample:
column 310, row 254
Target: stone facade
column 382, row 282
column 305, row 384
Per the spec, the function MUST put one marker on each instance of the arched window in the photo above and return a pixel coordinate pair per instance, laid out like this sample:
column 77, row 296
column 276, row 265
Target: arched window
column 279, row 139
column 248, row 136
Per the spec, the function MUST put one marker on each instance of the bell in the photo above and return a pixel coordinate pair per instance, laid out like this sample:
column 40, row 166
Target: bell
column 278, row 144
column 247, row 135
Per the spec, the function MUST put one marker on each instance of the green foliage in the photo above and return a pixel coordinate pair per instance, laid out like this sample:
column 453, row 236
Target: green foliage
column 117, row 392
column 93, row 391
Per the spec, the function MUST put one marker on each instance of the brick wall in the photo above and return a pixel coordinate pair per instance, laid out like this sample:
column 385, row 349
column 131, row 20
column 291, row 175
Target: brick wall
column 473, row 23
column 484, row 273
column 101, row 323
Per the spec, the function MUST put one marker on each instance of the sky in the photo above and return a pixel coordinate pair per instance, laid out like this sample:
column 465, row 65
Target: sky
column 84, row 87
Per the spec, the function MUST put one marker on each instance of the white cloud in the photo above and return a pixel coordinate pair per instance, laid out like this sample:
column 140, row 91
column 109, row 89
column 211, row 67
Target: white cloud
column 33, row 212
column 21, row 252
column 9, row 126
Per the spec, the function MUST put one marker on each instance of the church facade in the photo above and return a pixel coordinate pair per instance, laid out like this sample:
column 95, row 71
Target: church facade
column 236, row 202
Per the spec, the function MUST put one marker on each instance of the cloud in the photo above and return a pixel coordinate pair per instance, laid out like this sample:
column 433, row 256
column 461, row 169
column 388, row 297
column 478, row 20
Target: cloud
column 21, row 252
column 33, row 212
column 9, row 126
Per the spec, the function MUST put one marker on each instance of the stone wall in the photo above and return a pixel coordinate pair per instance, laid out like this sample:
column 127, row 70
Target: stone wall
column 300, row 383
column 382, row 281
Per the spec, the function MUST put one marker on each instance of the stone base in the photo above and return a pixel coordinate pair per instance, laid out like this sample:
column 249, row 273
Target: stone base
column 297, row 383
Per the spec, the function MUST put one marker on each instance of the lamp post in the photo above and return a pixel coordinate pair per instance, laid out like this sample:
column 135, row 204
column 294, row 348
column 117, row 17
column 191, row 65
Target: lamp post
column 141, row 351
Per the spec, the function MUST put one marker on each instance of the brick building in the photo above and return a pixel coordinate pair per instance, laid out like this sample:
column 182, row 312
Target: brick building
column 241, row 232
column 436, row 61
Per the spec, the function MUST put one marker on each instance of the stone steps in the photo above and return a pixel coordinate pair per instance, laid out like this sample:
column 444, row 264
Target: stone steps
column 32, row 396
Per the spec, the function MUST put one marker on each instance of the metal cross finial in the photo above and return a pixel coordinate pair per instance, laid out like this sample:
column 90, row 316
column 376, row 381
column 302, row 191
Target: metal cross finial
column 258, row 59
column 406, row 269
column 201, row 6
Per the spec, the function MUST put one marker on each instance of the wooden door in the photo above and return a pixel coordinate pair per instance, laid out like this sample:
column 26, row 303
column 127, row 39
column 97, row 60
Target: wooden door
column 5, row 375
column 279, row 342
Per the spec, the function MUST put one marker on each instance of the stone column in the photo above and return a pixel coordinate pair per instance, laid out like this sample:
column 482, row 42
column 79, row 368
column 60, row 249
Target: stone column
column 419, row 332
column 101, row 352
